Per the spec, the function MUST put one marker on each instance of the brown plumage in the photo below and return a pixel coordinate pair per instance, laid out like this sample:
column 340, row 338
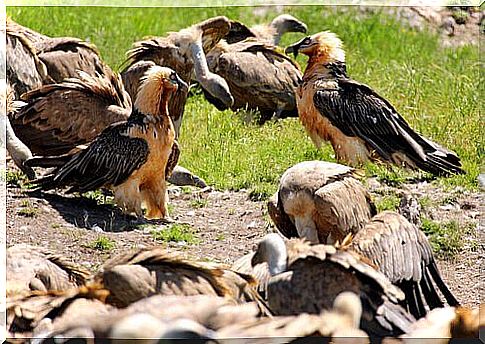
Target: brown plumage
column 147, row 272
column 268, row 33
column 58, row 117
column 55, row 58
column 260, row 77
column 31, row 268
column 402, row 252
column 180, row 51
column 360, row 124
column 306, row 278
column 320, row 201
column 129, row 157
column 40, row 311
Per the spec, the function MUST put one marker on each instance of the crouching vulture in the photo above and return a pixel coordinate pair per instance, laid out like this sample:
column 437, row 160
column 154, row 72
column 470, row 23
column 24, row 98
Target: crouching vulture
column 324, row 203
column 131, row 157
column 305, row 278
column 360, row 124
column 259, row 76
column 148, row 272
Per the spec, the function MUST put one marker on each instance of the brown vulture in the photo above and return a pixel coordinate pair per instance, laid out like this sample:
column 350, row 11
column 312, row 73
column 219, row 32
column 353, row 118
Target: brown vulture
column 360, row 124
column 146, row 272
column 130, row 157
column 184, row 52
column 320, row 201
column 31, row 268
column 260, row 77
column 305, row 278
column 401, row 251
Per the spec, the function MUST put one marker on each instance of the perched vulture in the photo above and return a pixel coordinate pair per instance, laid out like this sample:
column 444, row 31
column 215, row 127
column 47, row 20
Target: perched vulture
column 270, row 34
column 184, row 52
column 320, row 201
column 31, row 268
column 131, row 156
column 442, row 325
column 305, row 278
column 360, row 124
column 402, row 253
column 148, row 272
column 15, row 147
column 40, row 312
column 54, row 58
column 260, row 77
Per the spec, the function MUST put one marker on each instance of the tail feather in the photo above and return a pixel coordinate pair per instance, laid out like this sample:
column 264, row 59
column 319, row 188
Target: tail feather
column 47, row 161
column 450, row 298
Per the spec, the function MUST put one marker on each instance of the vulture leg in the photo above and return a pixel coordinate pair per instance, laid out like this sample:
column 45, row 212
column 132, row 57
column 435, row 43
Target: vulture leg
column 450, row 298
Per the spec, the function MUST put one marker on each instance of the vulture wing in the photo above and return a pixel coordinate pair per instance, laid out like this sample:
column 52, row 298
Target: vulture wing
column 402, row 252
column 109, row 160
column 213, row 30
column 59, row 117
column 358, row 111
column 238, row 32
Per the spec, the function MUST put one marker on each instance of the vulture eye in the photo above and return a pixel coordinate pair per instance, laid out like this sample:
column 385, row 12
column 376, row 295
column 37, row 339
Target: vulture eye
column 173, row 76
column 307, row 41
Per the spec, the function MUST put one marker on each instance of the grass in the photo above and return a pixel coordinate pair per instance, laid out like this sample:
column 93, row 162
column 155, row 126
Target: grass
column 198, row 203
column 436, row 89
column 446, row 238
column 102, row 243
column 176, row 233
column 388, row 202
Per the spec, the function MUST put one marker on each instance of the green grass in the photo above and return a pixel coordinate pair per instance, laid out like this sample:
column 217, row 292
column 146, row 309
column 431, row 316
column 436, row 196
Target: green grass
column 436, row 89
column 446, row 238
column 388, row 202
column 175, row 233
column 198, row 203
column 102, row 243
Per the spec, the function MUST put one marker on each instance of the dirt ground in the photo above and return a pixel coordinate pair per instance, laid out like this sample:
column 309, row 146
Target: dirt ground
column 226, row 225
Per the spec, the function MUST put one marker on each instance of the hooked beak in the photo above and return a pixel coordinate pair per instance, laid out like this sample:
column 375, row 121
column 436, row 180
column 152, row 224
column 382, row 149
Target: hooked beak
column 294, row 48
column 300, row 27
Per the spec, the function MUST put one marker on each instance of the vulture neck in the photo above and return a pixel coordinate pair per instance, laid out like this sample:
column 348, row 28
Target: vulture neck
column 318, row 63
column 152, row 99
column 275, row 253
column 200, row 63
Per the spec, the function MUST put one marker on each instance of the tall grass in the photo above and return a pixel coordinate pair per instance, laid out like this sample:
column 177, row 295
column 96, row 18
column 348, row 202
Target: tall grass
column 436, row 89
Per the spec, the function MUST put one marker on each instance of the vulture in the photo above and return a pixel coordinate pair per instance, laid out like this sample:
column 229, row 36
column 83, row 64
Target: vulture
column 360, row 124
column 403, row 254
column 41, row 311
column 442, row 325
column 35, row 59
column 270, row 34
column 15, row 147
column 131, row 156
column 184, row 52
column 320, row 201
column 305, row 278
column 148, row 272
column 260, row 77
column 31, row 268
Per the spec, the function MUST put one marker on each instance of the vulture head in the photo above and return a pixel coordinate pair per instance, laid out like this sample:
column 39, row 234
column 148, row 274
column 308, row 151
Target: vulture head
column 271, row 249
column 287, row 23
column 324, row 45
column 156, row 88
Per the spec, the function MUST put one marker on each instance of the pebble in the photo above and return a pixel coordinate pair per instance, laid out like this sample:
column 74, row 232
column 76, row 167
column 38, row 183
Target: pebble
column 190, row 213
column 252, row 224
column 97, row 229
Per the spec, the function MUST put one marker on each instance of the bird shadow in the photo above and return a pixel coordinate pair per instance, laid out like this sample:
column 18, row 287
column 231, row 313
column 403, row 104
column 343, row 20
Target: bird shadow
column 83, row 212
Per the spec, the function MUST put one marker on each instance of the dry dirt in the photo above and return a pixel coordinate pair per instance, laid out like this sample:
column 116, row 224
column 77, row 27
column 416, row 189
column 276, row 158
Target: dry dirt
column 226, row 225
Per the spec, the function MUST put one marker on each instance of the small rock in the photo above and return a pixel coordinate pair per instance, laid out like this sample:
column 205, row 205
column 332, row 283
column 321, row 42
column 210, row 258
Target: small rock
column 474, row 214
column 373, row 184
column 191, row 213
column 252, row 225
column 447, row 207
column 97, row 229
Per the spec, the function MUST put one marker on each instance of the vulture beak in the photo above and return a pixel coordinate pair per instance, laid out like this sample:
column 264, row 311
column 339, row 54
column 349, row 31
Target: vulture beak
column 300, row 27
column 180, row 83
column 295, row 48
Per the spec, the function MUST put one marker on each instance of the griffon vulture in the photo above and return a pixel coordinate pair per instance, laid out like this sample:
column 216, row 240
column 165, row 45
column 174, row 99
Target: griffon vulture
column 131, row 156
column 360, row 124
column 301, row 277
column 320, row 201
column 401, row 251
column 260, row 77
column 31, row 268
column 183, row 51
column 147, row 272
